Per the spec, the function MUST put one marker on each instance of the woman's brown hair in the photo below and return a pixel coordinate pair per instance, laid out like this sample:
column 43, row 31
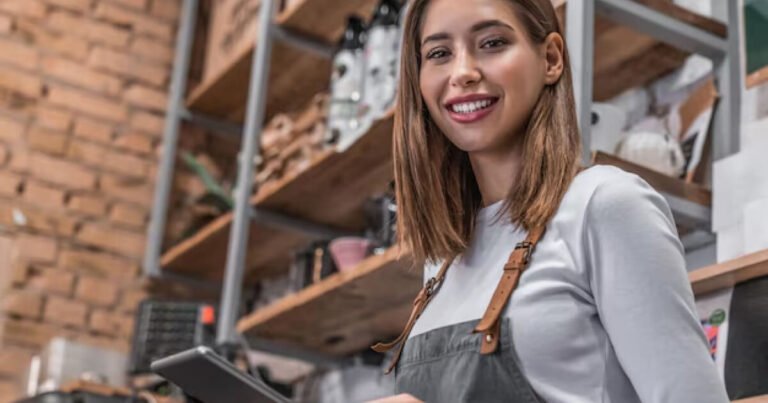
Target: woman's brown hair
column 436, row 191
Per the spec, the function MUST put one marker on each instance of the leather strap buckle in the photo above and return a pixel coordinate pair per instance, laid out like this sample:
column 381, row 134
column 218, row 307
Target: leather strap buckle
column 429, row 287
column 527, row 246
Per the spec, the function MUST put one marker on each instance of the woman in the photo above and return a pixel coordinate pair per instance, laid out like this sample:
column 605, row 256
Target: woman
column 486, row 156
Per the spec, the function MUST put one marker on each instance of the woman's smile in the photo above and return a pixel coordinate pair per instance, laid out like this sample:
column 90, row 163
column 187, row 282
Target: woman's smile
column 471, row 108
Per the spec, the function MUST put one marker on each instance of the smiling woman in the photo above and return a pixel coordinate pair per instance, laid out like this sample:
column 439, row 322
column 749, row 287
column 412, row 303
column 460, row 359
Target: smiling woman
column 543, row 281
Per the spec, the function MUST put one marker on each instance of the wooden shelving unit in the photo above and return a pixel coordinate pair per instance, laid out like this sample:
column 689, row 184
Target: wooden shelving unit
column 346, row 312
column 295, row 75
column 730, row 273
column 756, row 399
column 623, row 58
column 757, row 78
column 662, row 183
column 330, row 190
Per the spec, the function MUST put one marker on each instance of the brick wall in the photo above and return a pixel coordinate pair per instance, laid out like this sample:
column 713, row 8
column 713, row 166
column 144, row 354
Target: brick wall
column 83, row 86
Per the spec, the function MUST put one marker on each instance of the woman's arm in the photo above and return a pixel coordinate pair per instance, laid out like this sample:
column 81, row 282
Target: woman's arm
column 643, row 296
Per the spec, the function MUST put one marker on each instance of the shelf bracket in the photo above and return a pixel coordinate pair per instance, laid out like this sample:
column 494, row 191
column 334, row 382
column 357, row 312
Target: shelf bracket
column 663, row 27
column 159, row 212
column 308, row 228
column 580, row 34
column 305, row 42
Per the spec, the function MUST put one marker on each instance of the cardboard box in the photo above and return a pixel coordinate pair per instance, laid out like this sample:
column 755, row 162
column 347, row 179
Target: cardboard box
column 232, row 30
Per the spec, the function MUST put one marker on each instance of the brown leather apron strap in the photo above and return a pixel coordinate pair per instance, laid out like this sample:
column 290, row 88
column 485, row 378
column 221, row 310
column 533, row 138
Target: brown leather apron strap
column 489, row 325
column 419, row 304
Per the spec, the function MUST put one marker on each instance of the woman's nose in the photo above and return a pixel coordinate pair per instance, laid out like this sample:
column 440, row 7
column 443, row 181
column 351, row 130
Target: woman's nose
column 465, row 71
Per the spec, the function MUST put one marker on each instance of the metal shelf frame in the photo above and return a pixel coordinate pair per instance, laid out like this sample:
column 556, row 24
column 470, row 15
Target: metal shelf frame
column 580, row 36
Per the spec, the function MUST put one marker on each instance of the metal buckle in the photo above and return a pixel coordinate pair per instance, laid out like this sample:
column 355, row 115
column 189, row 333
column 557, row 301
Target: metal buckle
column 527, row 246
column 430, row 286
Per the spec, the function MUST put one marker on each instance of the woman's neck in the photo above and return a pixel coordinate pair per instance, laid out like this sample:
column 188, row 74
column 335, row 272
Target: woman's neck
column 496, row 173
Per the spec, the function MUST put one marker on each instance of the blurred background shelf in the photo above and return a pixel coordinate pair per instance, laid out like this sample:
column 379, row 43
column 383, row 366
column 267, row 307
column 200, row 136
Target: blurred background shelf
column 346, row 312
column 730, row 273
column 331, row 190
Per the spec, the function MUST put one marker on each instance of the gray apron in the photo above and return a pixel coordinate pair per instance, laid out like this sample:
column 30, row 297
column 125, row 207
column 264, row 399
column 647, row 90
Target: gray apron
column 472, row 361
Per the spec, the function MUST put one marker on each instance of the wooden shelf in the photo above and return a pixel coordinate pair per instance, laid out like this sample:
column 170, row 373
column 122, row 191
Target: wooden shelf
column 730, row 273
column 294, row 75
column 346, row 312
column 331, row 190
column 756, row 399
column 623, row 58
column 757, row 78
column 659, row 181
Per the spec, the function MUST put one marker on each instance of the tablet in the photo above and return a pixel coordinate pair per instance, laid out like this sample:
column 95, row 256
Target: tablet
column 208, row 377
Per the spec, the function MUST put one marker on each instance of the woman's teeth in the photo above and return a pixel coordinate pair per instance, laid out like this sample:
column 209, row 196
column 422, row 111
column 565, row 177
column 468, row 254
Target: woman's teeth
column 469, row 107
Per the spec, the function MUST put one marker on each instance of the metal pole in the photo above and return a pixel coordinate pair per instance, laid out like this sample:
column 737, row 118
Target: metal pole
column 580, row 37
column 226, row 334
column 184, row 39
column 729, row 70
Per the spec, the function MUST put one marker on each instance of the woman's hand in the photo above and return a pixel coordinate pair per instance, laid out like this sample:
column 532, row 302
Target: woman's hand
column 403, row 398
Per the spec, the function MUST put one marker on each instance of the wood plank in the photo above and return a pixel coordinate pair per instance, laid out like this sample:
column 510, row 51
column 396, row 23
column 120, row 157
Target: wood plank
column 302, row 16
column 755, row 399
column 757, row 78
column 346, row 312
column 730, row 273
column 331, row 190
column 660, row 182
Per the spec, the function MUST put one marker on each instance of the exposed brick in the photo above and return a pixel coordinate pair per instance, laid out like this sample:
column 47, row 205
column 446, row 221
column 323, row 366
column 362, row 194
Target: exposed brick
column 128, row 66
column 127, row 243
column 11, row 390
column 36, row 248
column 131, row 299
column 10, row 184
column 26, row 8
column 148, row 122
column 169, row 9
column 127, row 189
column 42, row 195
column 126, row 164
column 151, row 49
column 65, row 312
column 11, row 131
column 74, row 5
column 19, row 160
column 93, row 130
column 61, row 172
column 18, row 214
column 22, row 83
column 145, row 97
column 25, row 332
column 135, row 142
column 140, row 4
column 6, row 24
column 54, row 119
column 99, row 264
column 20, row 272
column 141, row 22
column 18, row 54
column 106, row 322
column 88, row 204
column 87, row 153
column 129, row 215
column 79, row 75
column 14, row 361
column 95, row 31
column 47, row 141
column 63, row 44
column 87, row 103
column 51, row 280
column 23, row 303
column 96, row 291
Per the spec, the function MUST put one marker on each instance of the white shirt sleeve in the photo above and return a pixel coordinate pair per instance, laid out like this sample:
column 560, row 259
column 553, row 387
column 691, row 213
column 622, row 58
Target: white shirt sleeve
column 643, row 296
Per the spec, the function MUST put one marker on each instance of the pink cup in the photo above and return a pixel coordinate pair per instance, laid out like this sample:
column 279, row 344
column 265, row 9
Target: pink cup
column 348, row 252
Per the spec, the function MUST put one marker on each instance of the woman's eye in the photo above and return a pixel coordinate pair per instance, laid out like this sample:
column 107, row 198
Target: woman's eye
column 437, row 54
column 493, row 43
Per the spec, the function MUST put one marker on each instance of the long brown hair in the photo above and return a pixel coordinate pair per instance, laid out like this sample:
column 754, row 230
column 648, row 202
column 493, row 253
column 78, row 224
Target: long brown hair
column 437, row 195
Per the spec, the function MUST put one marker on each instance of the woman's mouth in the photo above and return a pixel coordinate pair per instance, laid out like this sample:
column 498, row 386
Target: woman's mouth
column 471, row 110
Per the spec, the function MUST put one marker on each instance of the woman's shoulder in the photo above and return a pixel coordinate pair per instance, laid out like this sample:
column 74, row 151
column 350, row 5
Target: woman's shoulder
column 601, row 189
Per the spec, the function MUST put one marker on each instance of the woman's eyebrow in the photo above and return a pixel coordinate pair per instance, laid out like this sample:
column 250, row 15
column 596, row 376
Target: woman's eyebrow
column 479, row 26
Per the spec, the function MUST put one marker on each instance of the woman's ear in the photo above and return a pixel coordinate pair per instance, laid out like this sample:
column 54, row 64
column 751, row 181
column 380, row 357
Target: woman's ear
column 553, row 57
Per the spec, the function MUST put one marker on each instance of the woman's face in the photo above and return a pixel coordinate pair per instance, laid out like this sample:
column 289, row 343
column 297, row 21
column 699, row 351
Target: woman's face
column 480, row 75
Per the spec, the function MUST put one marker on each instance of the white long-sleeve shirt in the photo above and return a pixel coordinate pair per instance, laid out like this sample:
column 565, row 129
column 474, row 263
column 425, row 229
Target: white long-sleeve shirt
column 604, row 312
